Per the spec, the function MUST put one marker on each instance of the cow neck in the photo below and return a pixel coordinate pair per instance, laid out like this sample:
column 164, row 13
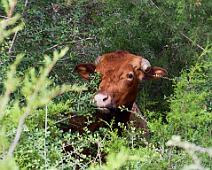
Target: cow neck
column 117, row 114
column 123, row 116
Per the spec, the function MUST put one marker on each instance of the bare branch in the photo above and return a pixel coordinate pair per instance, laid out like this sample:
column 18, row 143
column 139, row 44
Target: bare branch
column 12, row 8
column 18, row 133
column 46, row 129
column 199, row 46
column 13, row 40
column 1, row 16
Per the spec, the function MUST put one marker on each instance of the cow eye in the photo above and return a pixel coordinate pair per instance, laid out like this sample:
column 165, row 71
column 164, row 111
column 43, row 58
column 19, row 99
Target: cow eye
column 130, row 76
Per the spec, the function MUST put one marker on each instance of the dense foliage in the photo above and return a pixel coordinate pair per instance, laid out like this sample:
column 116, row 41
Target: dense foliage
column 173, row 34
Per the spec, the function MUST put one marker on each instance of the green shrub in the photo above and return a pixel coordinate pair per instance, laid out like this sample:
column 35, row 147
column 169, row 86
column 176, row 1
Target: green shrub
column 170, row 34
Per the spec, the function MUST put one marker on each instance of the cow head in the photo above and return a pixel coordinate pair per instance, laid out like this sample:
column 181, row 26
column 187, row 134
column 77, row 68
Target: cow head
column 120, row 73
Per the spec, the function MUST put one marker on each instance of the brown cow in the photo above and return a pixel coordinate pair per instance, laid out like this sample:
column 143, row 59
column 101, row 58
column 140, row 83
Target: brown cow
column 120, row 73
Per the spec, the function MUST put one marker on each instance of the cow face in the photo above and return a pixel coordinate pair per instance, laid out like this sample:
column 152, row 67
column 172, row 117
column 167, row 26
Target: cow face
column 121, row 73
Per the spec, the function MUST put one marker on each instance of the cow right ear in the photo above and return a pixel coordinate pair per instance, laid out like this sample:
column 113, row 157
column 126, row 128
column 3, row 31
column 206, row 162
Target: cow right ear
column 85, row 70
column 155, row 73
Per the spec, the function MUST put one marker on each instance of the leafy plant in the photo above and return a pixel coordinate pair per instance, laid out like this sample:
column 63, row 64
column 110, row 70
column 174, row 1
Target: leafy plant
column 171, row 34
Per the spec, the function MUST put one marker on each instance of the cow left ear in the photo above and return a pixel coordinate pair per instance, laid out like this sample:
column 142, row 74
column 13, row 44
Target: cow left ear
column 85, row 70
column 155, row 73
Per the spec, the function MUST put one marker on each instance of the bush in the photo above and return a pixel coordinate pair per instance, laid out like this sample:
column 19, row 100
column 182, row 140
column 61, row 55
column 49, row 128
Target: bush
column 174, row 35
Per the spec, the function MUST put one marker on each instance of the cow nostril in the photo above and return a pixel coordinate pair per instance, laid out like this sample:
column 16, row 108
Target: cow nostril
column 104, row 99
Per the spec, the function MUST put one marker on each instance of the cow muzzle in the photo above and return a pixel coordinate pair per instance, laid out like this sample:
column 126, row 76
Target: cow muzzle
column 103, row 100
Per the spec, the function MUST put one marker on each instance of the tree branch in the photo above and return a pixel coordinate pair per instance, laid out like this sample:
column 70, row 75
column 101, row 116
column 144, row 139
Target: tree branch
column 18, row 133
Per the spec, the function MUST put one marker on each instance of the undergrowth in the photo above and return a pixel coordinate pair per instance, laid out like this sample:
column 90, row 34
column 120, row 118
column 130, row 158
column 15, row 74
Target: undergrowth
column 174, row 35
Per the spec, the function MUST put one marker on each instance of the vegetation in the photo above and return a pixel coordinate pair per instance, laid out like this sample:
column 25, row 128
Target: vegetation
column 38, row 92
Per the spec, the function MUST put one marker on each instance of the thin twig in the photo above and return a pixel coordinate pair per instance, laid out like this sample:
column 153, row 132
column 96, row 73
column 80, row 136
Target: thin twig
column 45, row 147
column 167, row 78
column 67, row 41
column 62, row 120
column 50, row 48
column 154, row 4
column 1, row 16
column 199, row 46
column 15, row 35
column 26, row 3
column 13, row 41
column 18, row 133
column 99, row 153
